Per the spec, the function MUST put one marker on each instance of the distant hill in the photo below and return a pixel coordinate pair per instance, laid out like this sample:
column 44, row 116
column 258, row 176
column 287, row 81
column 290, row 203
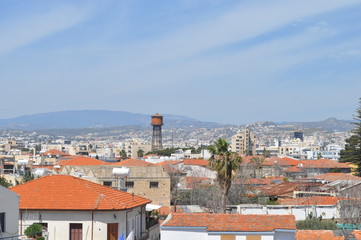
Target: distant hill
column 95, row 119
column 328, row 124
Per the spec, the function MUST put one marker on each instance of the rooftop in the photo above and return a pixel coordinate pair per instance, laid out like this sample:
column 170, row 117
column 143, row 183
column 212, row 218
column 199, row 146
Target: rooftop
column 64, row 192
column 218, row 222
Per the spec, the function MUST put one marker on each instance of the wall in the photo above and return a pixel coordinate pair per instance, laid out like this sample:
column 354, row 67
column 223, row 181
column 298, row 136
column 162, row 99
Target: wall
column 300, row 211
column 58, row 222
column 183, row 234
column 9, row 204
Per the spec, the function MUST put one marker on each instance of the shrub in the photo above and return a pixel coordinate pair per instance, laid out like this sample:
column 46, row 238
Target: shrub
column 34, row 230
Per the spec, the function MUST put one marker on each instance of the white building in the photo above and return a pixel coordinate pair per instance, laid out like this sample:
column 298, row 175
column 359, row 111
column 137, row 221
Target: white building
column 74, row 208
column 9, row 213
column 215, row 226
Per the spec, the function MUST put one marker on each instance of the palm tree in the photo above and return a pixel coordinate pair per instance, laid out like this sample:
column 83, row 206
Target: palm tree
column 225, row 163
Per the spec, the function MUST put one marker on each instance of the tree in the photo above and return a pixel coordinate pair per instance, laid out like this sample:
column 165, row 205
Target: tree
column 319, row 156
column 313, row 223
column 123, row 153
column 225, row 163
column 140, row 153
column 34, row 230
column 257, row 163
column 353, row 144
column 348, row 154
column 4, row 182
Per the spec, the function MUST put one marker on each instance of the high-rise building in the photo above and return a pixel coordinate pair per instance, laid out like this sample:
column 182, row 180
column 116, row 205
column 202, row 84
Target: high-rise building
column 243, row 143
column 157, row 122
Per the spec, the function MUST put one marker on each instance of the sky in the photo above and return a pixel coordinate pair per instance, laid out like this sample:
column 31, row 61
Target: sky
column 232, row 62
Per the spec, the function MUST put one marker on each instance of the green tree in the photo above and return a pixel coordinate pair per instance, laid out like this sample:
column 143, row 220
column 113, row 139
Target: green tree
column 313, row 223
column 34, row 230
column 352, row 152
column 225, row 163
column 4, row 182
column 123, row 153
column 319, row 156
column 140, row 153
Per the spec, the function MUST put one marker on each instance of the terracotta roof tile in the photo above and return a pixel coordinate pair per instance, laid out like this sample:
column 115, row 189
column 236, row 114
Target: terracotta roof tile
column 191, row 182
column 323, row 163
column 285, row 161
column 294, row 169
column 316, row 235
column 330, row 177
column 81, row 161
column 231, row 222
column 314, row 200
column 283, row 188
column 167, row 163
column 55, row 152
column 64, row 192
column 133, row 162
column 199, row 162
column 324, row 235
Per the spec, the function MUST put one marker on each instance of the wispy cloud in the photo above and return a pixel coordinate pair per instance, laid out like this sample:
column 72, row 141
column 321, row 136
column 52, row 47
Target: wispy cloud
column 21, row 30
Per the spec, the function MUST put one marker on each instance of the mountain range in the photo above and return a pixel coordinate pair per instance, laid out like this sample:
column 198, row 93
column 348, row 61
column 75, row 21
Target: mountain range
column 95, row 119
column 106, row 119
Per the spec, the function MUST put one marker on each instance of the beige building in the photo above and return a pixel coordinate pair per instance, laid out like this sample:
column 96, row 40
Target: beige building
column 243, row 143
column 132, row 147
column 151, row 182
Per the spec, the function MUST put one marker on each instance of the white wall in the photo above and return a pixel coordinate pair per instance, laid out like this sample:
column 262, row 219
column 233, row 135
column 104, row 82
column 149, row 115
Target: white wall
column 58, row 222
column 183, row 234
column 300, row 212
column 197, row 234
column 9, row 204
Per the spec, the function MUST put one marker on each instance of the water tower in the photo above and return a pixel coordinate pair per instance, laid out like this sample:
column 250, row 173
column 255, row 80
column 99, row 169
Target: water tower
column 157, row 122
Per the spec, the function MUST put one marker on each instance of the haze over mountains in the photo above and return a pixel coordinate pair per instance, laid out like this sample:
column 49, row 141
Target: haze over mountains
column 105, row 119
column 94, row 119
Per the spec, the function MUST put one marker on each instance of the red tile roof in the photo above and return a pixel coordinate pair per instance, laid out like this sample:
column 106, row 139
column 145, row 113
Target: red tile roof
column 285, row 161
column 167, row 163
column 330, row 177
column 215, row 222
column 314, row 200
column 285, row 188
column 133, row 162
column 294, row 169
column 64, row 192
column 199, row 162
column 81, row 161
column 323, row 163
column 55, row 152
column 191, row 182
column 323, row 235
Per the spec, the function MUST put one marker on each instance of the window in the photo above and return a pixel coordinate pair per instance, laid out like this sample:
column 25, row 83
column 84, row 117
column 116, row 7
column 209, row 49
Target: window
column 153, row 185
column 2, row 222
column 107, row 183
column 129, row 184
column 228, row 237
column 253, row 237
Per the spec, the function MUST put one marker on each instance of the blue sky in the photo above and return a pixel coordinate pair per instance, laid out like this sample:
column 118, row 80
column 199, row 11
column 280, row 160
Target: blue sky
column 224, row 61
